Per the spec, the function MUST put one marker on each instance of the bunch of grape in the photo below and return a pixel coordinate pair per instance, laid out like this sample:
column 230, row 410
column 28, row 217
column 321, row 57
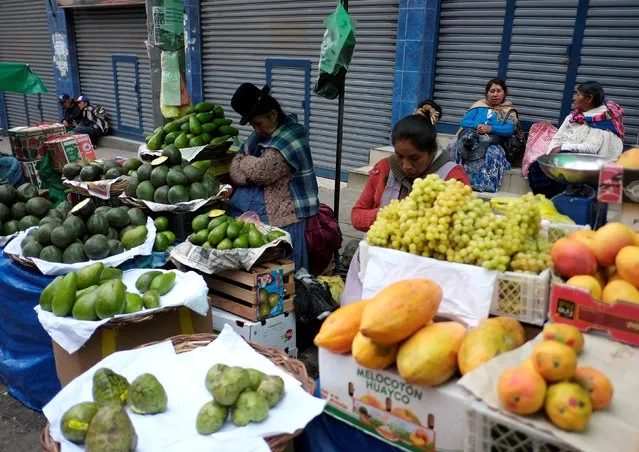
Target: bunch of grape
column 445, row 220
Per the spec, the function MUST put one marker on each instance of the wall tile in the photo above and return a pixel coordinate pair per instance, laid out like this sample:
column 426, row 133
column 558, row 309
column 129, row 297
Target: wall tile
column 410, row 85
column 413, row 56
column 401, row 24
column 399, row 57
column 415, row 24
column 416, row 3
column 397, row 85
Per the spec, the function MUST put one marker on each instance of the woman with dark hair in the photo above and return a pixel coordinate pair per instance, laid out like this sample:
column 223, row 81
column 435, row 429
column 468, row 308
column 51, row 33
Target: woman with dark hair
column 594, row 127
column 273, row 171
column 416, row 155
column 479, row 143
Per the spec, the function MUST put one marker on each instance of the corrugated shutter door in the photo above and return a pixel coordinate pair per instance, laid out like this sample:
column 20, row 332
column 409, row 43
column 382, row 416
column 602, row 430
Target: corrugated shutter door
column 537, row 65
column 610, row 55
column 100, row 34
column 24, row 38
column 234, row 52
column 468, row 51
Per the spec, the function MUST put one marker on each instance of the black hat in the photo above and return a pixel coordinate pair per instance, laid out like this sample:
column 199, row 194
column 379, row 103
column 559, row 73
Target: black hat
column 471, row 148
column 63, row 98
column 247, row 99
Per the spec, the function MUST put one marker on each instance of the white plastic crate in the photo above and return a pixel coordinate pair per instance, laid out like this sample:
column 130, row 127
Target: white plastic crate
column 522, row 297
column 558, row 230
column 490, row 431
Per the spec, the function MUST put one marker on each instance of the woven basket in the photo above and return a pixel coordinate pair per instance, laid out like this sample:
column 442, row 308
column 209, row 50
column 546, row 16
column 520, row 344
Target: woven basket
column 117, row 188
column 185, row 343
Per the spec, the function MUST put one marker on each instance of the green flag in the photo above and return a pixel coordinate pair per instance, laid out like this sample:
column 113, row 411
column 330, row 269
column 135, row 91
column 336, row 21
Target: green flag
column 18, row 78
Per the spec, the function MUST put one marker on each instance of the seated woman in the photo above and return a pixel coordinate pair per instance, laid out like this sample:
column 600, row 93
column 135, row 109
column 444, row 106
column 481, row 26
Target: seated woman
column 273, row 171
column 479, row 144
column 594, row 127
column 416, row 155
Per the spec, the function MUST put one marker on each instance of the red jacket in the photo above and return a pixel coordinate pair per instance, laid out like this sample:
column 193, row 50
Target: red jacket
column 365, row 209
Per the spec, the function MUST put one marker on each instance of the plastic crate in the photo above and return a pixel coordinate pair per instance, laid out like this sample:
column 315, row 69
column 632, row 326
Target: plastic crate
column 522, row 297
column 180, row 222
column 491, row 431
column 559, row 230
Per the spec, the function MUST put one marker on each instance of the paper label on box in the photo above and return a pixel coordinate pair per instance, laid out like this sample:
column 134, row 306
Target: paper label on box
column 610, row 184
column 270, row 293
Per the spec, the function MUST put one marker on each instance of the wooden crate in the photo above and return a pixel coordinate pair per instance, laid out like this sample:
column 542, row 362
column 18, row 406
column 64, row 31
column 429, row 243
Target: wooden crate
column 236, row 290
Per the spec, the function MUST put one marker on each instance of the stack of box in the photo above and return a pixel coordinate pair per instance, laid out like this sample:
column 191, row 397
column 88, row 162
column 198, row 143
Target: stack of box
column 70, row 149
column 28, row 145
column 257, row 304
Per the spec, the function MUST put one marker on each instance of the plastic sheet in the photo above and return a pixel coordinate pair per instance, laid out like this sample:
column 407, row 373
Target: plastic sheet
column 27, row 365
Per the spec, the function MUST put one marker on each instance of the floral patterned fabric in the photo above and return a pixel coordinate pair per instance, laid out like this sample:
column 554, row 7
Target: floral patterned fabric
column 487, row 173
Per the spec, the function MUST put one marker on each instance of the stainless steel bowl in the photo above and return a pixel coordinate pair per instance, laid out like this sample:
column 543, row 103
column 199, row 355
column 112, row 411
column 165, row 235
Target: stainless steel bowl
column 570, row 168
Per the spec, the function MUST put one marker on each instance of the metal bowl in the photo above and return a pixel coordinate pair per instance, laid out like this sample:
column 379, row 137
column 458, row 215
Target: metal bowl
column 571, row 168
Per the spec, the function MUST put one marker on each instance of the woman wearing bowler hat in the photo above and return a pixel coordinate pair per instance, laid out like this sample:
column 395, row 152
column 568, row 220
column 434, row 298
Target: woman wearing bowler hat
column 273, row 171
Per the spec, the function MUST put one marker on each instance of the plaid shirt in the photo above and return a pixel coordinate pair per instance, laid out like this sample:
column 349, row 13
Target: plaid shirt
column 291, row 140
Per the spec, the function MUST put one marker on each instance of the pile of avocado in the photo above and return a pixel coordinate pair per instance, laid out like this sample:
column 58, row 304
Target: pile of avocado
column 104, row 425
column 92, row 171
column 201, row 125
column 163, row 237
column 21, row 208
column 96, row 292
column 85, row 232
column 225, row 233
column 247, row 394
column 169, row 180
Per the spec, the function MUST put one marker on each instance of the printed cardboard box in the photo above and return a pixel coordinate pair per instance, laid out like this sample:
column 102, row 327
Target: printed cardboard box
column 576, row 306
column 619, row 186
column 31, row 173
column 29, row 143
column 70, row 149
column 278, row 331
column 384, row 405
column 107, row 340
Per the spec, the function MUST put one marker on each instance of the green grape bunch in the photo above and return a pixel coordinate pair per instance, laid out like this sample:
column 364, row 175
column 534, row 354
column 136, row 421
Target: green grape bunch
column 446, row 220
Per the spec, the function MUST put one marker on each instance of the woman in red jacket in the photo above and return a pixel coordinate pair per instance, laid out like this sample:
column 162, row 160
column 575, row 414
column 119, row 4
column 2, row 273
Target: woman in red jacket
column 416, row 155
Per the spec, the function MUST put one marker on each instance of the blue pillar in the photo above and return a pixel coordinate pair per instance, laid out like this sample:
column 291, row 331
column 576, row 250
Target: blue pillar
column 4, row 122
column 67, row 77
column 193, row 53
column 417, row 30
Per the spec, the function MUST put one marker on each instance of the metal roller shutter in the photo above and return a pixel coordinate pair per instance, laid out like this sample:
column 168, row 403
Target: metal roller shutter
column 100, row 34
column 24, row 38
column 468, row 49
column 537, row 65
column 610, row 55
column 234, row 52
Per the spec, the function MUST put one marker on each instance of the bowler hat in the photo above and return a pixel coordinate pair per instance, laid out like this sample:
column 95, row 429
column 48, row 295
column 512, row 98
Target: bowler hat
column 247, row 99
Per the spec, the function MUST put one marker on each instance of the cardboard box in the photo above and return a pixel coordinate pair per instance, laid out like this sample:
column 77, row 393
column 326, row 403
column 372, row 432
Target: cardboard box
column 108, row 340
column 620, row 186
column 575, row 306
column 382, row 404
column 28, row 143
column 31, row 173
column 278, row 331
column 70, row 149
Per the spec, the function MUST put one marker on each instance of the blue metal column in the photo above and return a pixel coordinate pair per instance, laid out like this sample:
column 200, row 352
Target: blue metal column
column 507, row 35
column 4, row 122
column 417, row 31
column 193, row 51
column 67, row 77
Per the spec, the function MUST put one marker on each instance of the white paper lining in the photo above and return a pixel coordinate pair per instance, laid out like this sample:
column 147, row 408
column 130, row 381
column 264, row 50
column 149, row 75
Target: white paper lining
column 190, row 290
column 189, row 206
column 56, row 268
column 183, row 379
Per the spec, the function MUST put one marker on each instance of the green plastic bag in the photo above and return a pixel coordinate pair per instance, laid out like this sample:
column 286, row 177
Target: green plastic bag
column 336, row 53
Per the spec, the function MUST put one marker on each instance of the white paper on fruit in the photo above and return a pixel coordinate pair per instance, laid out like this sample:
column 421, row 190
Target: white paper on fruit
column 189, row 206
column 4, row 239
column 190, row 290
column 615, row 428
column 468, row 289
column 211, row 261
column 99, row 188
column 58, row 268
column 188, row 154
column 182, row 377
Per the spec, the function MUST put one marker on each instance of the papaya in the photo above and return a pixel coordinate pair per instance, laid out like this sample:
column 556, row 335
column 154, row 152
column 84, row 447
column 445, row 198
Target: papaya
column 203, row 107
column 340, row 328
column 429, row 357
column 400, row 309
column 371, row 355
column 489, row 339
column 194, row 126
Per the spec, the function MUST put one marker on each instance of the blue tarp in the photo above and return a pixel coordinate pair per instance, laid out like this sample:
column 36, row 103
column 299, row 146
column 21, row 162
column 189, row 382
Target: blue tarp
column 327, row 434
column 27, row 365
